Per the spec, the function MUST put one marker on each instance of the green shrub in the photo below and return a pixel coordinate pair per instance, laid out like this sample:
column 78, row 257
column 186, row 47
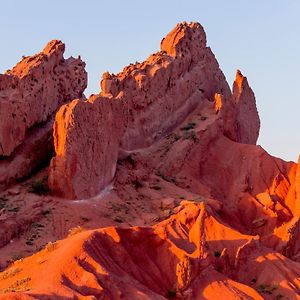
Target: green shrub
column 39, row 187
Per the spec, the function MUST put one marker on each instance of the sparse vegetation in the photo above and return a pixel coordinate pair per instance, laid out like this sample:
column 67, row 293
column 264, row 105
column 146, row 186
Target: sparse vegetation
column 29, row 242
column 189, row 126
column 10, row 273
column 165, row 177
column 20, row 285
column 37, row 225
column 46, row 212
column 190, row 135
column 85, row 219
column 16, row 256
column 50, row 246
column 3, row 201
column 267, row 288
column 118, row 219
column 39, row 187
column 75, row 230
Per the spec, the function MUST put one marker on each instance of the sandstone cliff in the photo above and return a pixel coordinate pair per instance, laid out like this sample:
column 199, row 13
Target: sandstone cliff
column 30, row 94
column 153, row 98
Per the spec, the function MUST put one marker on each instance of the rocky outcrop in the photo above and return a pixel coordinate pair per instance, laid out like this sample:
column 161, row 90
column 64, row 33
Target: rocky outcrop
column 86, row 139
column 191, row 255
column 30, row 94
column 154, row 97
column 247, row 119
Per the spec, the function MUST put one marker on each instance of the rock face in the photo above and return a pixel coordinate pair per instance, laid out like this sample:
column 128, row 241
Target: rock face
column 154, row 97
column 86, row 139
column 247, row 118
column 30, row 94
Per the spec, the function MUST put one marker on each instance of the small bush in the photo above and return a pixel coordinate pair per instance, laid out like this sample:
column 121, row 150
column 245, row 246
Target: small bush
column 16, row 256
column 217, row 253
column 267, row 289
column 190, row 135
column 189, row 126
column 39, row 187
column 10, row 273
column 118, row 219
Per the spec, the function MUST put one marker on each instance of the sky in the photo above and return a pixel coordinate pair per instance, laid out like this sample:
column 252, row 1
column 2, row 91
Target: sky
column 259, row 37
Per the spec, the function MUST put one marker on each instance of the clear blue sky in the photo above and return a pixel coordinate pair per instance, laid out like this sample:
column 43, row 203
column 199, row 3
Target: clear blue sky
column 260, row 37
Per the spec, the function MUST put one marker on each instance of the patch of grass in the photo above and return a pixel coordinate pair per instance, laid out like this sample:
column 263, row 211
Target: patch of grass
column 21, row 285
column 10, row 273
column 189, row 126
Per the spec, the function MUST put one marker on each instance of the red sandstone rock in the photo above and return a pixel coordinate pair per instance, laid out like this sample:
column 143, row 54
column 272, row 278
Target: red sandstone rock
column 30, row 94
column 247, row 118
column 86, row 154
column 192, row 255
column 236, row 234
column 156, row 96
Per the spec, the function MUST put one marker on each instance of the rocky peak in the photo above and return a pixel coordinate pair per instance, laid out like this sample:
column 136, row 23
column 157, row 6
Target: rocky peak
column 247, row 118
column 184, row 38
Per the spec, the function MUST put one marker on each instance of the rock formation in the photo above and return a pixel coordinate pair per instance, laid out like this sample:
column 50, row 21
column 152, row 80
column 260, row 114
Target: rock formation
column 154, row 97
column 178, row 200
column 30, row 94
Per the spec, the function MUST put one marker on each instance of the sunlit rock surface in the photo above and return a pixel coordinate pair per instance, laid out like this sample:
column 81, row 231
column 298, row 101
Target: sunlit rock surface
column 172, row 198
column 30, row 94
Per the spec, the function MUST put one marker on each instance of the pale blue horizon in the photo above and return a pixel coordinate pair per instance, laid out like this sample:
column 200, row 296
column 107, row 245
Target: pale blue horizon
column 259, row 38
